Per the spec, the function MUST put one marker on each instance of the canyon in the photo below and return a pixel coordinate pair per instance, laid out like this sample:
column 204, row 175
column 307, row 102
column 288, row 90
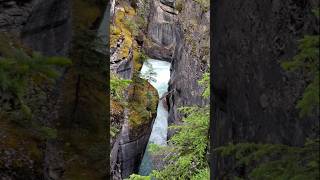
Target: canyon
column 170, row 36
column 253, row 97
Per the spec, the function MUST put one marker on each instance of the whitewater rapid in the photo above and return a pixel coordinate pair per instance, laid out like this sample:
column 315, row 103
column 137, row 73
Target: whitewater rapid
column 160, row 127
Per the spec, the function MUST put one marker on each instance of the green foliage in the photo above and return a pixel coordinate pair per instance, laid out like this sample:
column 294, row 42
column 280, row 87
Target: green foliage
column 203, row 174
column 46, row 132
column 186, row 154
column 307, row 61
column 150, row 73
column 18, row 70
column 117, row 87
column 316, row 12
column 154, row 148
column 141, row 23
column 310, row 98
column 276, row 161
column 138, row 177
column 205, row 82
column 85, row 56
column 131, row 25
column 142, row 57
column 142, row 14
column 113, row 131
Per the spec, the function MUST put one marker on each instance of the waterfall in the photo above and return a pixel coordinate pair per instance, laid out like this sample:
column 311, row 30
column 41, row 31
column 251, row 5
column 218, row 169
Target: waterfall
column 160, row 127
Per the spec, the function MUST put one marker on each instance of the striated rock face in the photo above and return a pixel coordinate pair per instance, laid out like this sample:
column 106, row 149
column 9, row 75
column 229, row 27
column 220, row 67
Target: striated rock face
column 44, row 26
column 254, row 98
column 40, row 24
column 138, row 117
column 182, row 39
column 129, row 144
column 48, row 29
column 162, row 31
column 190, row 60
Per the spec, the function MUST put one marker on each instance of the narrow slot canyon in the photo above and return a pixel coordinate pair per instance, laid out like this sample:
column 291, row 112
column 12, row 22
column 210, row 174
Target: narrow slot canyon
column 168, row 52
column 157, row 72
column 139, row 90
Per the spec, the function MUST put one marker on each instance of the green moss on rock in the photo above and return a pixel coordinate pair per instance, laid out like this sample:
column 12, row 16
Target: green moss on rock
column 143, row 101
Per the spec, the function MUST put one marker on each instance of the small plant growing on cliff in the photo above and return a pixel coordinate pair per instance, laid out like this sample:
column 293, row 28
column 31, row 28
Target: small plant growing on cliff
column 275, row 161
column 17, row 71
column 205, row 82
column 117, row 87
column 149, row 74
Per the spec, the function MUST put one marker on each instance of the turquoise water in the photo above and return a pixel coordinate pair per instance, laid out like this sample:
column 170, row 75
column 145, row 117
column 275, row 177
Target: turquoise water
column 160, row 127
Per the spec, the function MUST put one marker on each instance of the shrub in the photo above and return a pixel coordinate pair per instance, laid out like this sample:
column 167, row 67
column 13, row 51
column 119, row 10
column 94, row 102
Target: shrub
column 275, row 161
column 307, row 61
column 186, row 153
column 138, row 177
column 117, row 87
column 17, row 71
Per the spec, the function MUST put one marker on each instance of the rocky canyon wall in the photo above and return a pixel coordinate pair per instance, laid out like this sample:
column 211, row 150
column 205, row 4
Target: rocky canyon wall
column 133, row 121
column 53, row 28
column 182, row 38
column 44, row 26
column 254, row 98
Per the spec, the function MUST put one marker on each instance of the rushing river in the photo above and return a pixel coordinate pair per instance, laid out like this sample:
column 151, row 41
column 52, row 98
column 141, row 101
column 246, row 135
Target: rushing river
column 160, row 127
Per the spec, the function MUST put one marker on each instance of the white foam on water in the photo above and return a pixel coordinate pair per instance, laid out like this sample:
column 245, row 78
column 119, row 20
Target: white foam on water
column 160, row 127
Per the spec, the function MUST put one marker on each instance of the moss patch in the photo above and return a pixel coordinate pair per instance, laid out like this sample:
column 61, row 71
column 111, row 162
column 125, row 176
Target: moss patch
column 122, row 28
column 143, row 101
